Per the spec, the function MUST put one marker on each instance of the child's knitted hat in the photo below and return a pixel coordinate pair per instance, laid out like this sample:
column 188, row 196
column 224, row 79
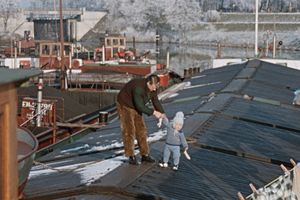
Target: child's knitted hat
column 179, row 117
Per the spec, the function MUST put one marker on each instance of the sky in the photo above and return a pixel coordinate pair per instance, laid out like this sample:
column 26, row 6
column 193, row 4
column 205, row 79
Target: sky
column 25, row 3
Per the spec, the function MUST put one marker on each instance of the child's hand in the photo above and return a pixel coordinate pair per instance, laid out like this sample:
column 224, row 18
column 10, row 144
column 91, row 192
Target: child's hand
column 159, row 122
column 187, row 155
column 157, row 114
column 163, row 116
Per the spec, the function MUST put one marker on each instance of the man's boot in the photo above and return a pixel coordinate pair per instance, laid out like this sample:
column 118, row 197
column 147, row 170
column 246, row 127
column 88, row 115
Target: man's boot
column 133, row 160
column 148, row 159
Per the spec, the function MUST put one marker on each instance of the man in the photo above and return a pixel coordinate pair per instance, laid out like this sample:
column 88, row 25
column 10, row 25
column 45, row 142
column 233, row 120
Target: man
column 131, row 104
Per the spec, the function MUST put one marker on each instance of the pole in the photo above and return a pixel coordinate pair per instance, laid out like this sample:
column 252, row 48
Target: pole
column 256, row 28
column 219, row 50
column 8, row 144
column 168, row 59
column 274, row 46
column 62, row 48
column 103, row 54
column 133, row 43
column 157, row 38
column 16, row 52
column 267, row 48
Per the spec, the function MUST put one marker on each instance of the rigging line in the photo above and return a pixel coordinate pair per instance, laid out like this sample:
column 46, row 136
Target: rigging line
column 31, row 118
column 47, row 166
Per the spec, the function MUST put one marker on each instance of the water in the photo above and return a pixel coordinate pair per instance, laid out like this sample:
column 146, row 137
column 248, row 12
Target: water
column 186, row 56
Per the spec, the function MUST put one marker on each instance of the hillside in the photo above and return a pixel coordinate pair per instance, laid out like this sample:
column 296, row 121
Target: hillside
column 231, row 29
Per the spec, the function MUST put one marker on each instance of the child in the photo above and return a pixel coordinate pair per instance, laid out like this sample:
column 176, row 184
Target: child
column 175, row 138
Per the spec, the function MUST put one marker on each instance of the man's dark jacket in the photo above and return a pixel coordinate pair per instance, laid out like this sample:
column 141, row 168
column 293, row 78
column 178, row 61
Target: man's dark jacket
column 135, row 94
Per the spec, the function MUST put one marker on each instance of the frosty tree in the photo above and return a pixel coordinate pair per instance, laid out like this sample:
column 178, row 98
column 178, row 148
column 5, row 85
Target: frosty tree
column 183, row 16
column 175, row 16
column 8, row 10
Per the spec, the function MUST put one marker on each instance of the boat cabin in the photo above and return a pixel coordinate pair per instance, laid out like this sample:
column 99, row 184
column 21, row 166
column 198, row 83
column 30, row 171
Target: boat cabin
column 112, row 43
column 42, row 54
column 49, row 54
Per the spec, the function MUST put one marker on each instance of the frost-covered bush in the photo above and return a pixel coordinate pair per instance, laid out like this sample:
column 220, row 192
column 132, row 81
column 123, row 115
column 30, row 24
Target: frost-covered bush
column 212, row 16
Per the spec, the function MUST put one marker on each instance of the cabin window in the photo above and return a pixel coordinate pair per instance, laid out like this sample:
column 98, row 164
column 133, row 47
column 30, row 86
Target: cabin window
column 45, row 49
column 115, row 42
column 108, row 42
column 115, row 50
column 67, row 50
column 122, row 42
column 56, row 50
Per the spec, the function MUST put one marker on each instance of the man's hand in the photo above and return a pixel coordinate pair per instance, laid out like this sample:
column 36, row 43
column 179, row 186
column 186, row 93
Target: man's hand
column 157, row 114
column 163, row 115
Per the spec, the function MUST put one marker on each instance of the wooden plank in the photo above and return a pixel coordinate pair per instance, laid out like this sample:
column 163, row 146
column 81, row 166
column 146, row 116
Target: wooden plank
column 80, row 125
column 8, row 143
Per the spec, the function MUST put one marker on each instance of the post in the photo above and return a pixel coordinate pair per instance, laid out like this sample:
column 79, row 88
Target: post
column 103, row 53
column 11, row 47
column 274, row 46
column 39, row 102
column 54, row 126
column 293, row 162
column 133, row 43
column 20, row 47
column 103, row 117
column 157, row 38
column 8, row 144
column 219, row 50
column 267, row 48
column 256, row 29
column 16, row 52
column 168, row 58
column 76, row 38
column 241, row 197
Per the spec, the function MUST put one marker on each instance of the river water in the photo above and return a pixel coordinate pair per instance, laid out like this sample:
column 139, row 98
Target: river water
column 186, row 56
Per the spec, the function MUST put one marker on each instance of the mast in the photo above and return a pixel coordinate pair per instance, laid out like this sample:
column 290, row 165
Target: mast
column 62, row 61
column 256, row 29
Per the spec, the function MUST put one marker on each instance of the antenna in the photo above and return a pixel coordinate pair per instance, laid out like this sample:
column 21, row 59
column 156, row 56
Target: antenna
column 256, row 28
column 62, row 48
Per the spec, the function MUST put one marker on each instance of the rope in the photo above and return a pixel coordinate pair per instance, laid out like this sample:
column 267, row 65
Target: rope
column 45, row 109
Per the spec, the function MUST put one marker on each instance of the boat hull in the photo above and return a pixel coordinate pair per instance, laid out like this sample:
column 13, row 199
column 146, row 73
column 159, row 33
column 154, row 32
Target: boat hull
column 130, row 68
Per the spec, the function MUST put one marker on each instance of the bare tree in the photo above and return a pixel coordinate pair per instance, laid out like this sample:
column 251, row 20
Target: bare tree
column 222, row 5
column 8, row 9
column 268, row 5
column 210, row 4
